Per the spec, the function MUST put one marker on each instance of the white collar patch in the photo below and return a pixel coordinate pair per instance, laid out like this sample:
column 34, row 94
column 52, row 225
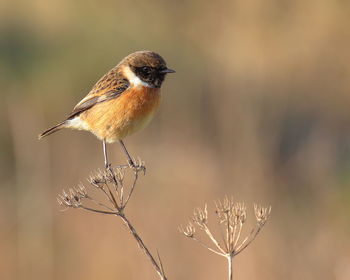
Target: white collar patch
column 133, row 79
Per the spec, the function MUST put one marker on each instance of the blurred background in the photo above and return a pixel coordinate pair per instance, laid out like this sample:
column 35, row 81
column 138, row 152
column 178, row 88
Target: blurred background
column 258, row 109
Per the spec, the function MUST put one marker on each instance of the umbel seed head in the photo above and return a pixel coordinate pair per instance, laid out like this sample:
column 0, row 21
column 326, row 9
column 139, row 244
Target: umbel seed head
column 231, row 217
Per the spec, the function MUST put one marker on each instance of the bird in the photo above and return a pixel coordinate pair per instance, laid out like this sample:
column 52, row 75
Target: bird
column 121, row 103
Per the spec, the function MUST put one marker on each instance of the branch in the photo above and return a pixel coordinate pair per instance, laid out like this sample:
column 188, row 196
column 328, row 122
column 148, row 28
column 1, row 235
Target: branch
column 143, row 247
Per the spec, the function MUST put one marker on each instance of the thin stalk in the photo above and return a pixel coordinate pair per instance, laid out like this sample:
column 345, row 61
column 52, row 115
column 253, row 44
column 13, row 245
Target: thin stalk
column 230, row 267
column 238, row 235
column 207, row 247
column 228, row 233
column 142, row 246
column 97, row 211
column 136, row 175
column 244, row 245
column 104, row 191
column 114, row 201
column 210, row 235
column 98, row 203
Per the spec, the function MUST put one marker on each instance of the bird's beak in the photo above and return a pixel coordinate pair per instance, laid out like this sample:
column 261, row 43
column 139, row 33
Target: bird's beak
column 167, row 70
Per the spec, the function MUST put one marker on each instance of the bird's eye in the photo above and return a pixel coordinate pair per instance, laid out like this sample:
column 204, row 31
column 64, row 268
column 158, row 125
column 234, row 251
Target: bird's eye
column 146, row 69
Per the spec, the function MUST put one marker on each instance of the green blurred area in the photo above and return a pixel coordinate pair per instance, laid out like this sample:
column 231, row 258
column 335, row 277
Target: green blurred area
column 258, row 109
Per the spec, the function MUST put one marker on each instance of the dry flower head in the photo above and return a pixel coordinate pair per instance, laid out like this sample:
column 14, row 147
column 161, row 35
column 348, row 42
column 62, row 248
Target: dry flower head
column 111, row 185
column 231, row 217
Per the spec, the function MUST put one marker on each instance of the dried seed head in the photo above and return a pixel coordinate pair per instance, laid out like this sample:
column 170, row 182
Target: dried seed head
column 188, row 231
column 262, row 214
column 200, row 217
column 233, row 216
column 73, row 197
column 81, row 190
column 114, row 192
column 114, row 174
column 224, row 206
column 120, row 174
column 230, row 212
column 239, row 213
column 97, row 179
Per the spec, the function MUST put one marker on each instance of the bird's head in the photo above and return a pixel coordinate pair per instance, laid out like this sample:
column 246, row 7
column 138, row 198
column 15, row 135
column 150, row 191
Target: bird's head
column 145, row 68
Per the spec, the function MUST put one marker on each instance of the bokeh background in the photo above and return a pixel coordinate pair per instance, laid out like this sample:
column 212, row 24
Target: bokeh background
column 258, row 109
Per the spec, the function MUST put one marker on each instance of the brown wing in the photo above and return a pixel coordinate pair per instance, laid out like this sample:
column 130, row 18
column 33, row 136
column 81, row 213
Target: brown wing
column 110, row 86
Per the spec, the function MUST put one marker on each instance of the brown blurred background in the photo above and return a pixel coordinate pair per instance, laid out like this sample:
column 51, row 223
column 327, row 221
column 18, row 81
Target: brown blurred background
column 258, row 109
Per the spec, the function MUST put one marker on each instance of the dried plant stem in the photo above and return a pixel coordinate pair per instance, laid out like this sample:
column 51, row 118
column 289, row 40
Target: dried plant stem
column 212, row 238
column 249, row 238
column 230, row 218
column 230, row 267
column 207, row 247
column 143, row 247
column 117, row 195
column 132, row 189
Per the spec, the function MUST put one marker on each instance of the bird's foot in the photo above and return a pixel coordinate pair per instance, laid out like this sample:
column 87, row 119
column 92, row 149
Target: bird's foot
column 139, row 166
column 108, row 166
column 136, row 166
column 120, row 166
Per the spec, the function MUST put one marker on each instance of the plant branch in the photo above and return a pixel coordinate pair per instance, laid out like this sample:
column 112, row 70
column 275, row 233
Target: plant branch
column 230, row 266
column 136, row 175
column 116, row 196
column 143, row 247
column 97, row 211
column 207, row 247
column 212, row 238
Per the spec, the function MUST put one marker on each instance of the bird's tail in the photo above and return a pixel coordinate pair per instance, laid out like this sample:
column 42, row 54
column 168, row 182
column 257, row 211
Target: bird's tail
column 52, row 130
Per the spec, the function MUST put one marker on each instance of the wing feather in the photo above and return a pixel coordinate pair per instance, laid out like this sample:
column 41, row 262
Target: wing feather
column 110, row 86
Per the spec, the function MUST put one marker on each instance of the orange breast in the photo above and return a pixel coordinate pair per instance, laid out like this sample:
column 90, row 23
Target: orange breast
column 117, row 118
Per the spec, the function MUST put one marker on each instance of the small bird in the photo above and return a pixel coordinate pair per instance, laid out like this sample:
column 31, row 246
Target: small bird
column 122, row 102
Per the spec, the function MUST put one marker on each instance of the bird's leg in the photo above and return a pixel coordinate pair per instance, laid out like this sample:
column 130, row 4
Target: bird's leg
column 107, row 165
column 130, row 161
column 132, row 164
